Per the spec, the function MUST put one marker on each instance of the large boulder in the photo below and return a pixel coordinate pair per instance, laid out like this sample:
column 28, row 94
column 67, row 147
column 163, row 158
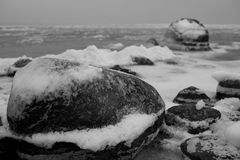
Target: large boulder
column 104, row 113
column 191, row 117
column 187, row 34
column 191, row 95
column 228, row 85
column 209, row 147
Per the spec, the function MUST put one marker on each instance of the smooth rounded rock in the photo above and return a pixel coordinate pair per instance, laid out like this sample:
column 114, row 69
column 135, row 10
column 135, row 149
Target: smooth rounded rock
column 187, row 34
column 228, row 85
column 187, row 116
column 209, row 147
column 191, row 95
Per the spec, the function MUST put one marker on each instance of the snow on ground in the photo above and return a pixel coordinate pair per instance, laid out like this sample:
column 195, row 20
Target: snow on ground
column 171, row 73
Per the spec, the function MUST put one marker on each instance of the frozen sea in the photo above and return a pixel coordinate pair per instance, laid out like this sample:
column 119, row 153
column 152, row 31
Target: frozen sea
column 74, row 42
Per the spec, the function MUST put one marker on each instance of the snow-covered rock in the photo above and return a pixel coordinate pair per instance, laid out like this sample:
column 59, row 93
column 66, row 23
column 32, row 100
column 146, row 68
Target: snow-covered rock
column 54, row 100
column 191, row 95
column 209, row 147
column 187, row 34
column 228, row 84
column 189, row 117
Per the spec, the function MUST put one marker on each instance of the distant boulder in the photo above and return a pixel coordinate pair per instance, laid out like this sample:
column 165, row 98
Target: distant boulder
column 188, row 116
column 191, row 95
column 188, row 35
column 228, row 85
column 8, row 148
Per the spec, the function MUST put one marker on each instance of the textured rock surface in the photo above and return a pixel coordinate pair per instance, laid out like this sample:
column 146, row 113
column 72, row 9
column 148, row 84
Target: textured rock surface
column 95, row 102
column 209, row 148
column 53, row 95
column 187, row 34
column 189, row 117
column 190, row 95
column 228, row 84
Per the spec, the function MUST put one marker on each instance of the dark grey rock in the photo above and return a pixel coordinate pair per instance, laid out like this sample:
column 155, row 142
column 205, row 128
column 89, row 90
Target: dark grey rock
column 228, row 89
column 209, row 147
column 190, row 95
column 193, row 120
column 80, row 104
column 8, row 147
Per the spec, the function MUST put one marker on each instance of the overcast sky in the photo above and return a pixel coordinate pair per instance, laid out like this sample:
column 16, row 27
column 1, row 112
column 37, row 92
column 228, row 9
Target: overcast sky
column 82, row 12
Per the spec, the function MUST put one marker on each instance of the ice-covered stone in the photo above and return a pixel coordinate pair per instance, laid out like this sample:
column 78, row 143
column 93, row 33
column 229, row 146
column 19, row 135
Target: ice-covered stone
column 209, row 147
column 187, row 116
column 187, row 34
column 228, row 84
column 98, row 109
column 190, row 95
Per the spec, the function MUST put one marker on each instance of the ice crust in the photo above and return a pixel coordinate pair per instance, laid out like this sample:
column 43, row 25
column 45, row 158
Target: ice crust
column 102, row 57
column 128, row 129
